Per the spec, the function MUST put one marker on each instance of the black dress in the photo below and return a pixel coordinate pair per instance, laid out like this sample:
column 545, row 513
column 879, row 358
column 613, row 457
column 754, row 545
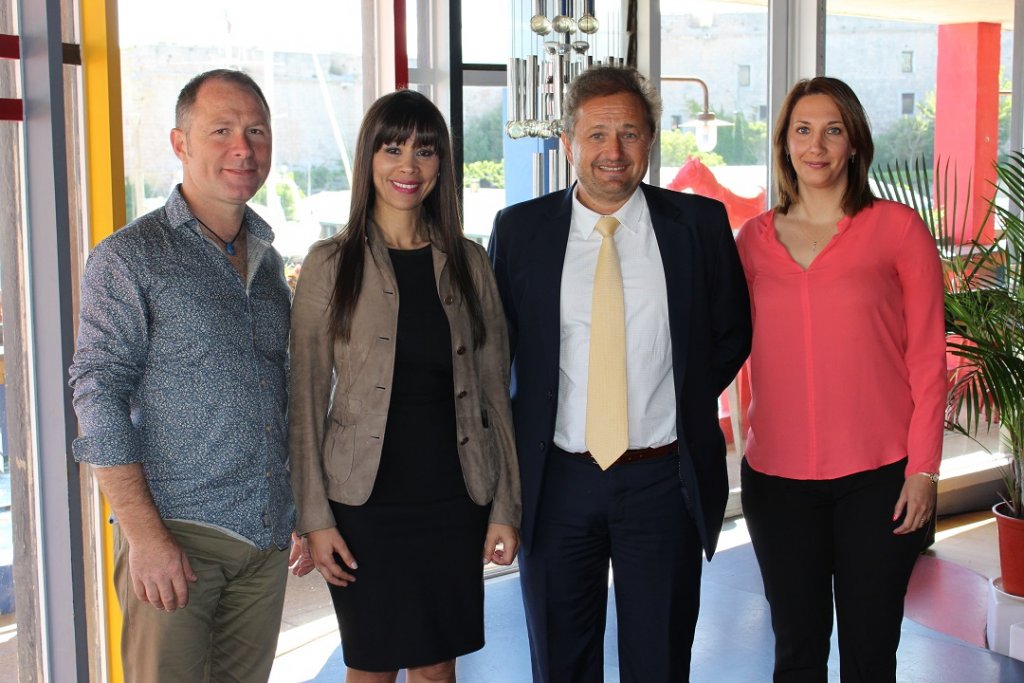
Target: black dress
column 418, row 594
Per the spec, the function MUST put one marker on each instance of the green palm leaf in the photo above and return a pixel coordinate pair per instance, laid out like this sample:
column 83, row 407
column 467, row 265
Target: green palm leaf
column 984, row 303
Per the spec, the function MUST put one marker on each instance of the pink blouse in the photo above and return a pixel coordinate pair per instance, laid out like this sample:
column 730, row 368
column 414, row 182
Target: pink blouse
column 848, row 368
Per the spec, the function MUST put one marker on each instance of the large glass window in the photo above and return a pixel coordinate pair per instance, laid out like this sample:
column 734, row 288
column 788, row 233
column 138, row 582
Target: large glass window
column 725, row 45
column 10, row 215
column 306, row 55
column 483, row 159
column 890, row 57
column 935, row 82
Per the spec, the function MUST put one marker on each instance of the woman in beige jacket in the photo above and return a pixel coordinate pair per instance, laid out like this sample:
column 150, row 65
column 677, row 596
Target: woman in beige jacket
column 402, row 455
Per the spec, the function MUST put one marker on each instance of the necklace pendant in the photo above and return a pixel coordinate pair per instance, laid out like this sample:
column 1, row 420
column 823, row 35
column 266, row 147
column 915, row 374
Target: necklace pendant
column 230, row 248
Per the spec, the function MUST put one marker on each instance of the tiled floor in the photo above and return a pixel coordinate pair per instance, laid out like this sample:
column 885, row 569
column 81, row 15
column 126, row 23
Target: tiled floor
column 734, row 641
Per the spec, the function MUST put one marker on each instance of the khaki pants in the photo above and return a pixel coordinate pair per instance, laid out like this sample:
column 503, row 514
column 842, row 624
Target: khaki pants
column 228, row 631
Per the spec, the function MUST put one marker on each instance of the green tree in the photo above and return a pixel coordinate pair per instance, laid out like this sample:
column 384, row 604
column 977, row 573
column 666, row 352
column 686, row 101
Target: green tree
column 485, row 173
column 321, row 178
column 909, row 137
column 289, row 194
column 743, row 143
column 913, row 137
column 482, row 137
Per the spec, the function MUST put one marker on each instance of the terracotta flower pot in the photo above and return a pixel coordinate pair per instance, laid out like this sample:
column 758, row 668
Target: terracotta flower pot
column 1011, row 549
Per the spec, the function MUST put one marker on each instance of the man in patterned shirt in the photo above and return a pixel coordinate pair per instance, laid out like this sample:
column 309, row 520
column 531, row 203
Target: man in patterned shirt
column 179, row 383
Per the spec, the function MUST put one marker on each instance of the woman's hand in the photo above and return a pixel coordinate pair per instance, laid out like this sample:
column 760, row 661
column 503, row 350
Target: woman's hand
column 324, row 544
column 501, row 544
column 917, row 501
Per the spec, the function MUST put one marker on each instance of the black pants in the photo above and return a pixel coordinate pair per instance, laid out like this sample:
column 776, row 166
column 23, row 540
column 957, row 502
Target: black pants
column 816, row 537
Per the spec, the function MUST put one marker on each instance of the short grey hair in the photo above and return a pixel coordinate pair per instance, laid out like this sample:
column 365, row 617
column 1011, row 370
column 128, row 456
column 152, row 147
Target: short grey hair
column 601, row 81
column 188, row 94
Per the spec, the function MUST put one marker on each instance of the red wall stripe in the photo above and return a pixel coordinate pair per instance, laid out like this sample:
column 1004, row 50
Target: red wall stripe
column 401, row 49
column 10, row 46
column 11, row 110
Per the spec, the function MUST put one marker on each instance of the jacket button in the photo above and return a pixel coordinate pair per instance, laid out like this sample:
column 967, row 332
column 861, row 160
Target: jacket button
column 449, row 299
column 541, row 446
column 461, row 350
column 461, row 394
column 463, row 441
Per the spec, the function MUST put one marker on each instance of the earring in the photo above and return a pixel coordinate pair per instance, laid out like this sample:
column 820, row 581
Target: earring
column 852, row 157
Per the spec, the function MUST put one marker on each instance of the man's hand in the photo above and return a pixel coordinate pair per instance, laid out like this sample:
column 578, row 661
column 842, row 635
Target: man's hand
column 158, row 567
column 160, row 571
column 299, row 559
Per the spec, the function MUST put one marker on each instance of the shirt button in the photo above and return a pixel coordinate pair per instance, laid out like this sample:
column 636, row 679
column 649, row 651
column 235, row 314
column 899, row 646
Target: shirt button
column 449, row 299
column 263, row 383
column 461, row 394
column 461, row 350
column 463, row 441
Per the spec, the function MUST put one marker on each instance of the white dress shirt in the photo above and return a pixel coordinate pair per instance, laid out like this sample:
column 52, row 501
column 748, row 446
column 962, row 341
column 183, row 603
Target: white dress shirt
column 651, row 398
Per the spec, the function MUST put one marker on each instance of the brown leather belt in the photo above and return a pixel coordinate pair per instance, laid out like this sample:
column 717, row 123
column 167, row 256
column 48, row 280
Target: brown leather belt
column 635, row 454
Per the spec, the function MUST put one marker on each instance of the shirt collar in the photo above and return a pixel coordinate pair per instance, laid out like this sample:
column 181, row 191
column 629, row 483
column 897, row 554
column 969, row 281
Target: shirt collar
column 180, row 216
column 629, row 214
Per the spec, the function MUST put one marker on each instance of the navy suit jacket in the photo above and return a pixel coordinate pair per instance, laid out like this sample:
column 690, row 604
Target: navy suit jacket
column 709, row 321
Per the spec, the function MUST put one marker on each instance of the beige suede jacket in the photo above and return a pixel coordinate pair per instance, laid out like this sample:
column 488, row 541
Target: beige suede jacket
column 335, row 436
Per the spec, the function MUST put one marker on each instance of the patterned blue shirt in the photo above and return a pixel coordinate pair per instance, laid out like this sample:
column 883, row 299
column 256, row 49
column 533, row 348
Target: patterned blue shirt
column 182, row 366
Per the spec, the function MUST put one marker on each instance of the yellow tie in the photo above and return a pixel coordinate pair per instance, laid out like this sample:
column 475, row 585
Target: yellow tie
column 607, row 419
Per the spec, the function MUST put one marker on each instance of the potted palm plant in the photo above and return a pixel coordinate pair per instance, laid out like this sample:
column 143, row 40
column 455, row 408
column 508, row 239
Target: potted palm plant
column 985, row 319
column 985, row 324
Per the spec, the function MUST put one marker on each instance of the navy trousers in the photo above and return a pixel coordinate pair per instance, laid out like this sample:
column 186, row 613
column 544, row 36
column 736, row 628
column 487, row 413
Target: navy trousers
column 634, row 516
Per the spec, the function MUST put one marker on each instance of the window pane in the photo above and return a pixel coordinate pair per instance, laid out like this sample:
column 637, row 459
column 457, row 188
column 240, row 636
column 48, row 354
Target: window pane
column 310, row 70
column 485, row 32
column 725, row 45
column 891, row 60
column 307, row 57
column 11, row 218
column 484, row 170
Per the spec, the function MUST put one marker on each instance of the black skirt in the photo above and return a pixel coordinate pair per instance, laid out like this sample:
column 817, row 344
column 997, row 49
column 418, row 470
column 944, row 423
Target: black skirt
column 418, row 598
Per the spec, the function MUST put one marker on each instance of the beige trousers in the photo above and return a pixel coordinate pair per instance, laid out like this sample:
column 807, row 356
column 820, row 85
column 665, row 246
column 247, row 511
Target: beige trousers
column 228, row 631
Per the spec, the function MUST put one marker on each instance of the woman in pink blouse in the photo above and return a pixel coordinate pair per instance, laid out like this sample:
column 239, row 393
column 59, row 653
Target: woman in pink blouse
column 848, row 382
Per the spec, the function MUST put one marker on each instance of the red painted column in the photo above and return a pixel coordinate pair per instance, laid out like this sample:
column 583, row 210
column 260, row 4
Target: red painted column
column 967, row 118
column 401, row 47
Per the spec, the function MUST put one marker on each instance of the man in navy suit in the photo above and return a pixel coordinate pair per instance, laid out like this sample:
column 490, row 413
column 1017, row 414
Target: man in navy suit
column 687, row 330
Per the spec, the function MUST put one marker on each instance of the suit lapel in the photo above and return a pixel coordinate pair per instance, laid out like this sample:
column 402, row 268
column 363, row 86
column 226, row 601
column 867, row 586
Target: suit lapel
column 673, row 231
column 551, row 237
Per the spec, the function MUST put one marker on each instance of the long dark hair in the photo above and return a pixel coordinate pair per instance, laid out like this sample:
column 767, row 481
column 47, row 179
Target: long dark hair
column 393, row 119
column 858, row 193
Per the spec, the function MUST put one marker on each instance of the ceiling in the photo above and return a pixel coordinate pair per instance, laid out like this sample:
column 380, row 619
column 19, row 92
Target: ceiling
column 924, row 11
column 929, row 11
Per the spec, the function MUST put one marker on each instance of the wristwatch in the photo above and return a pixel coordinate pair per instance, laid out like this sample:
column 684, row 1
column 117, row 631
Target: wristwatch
column 934, row 476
